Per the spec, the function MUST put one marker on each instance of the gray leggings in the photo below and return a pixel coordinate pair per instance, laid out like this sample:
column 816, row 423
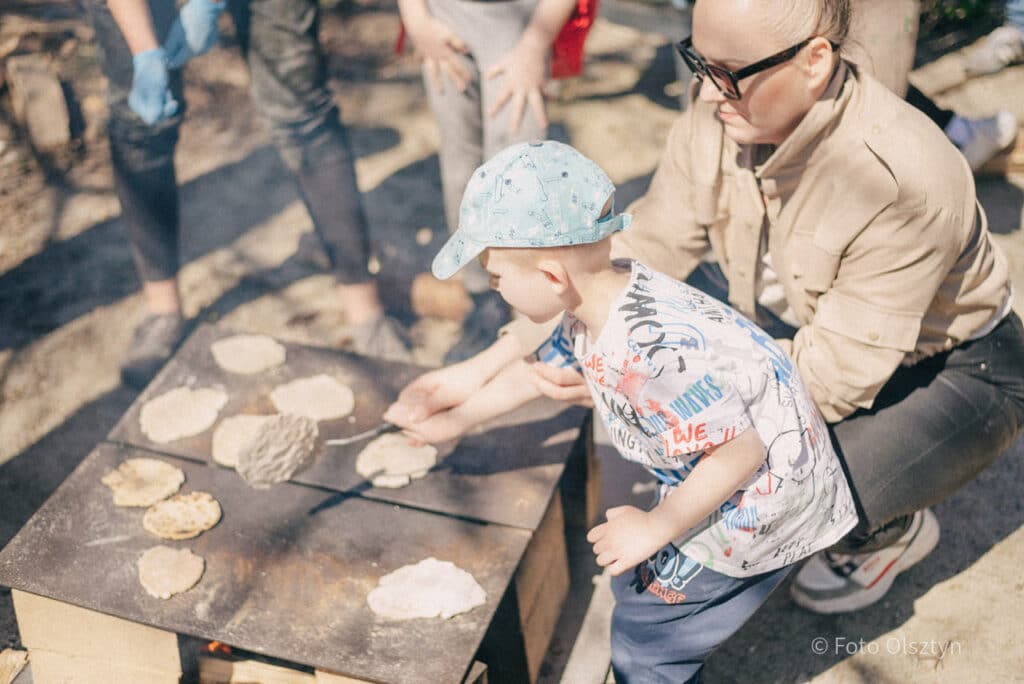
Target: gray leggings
column 289, row 87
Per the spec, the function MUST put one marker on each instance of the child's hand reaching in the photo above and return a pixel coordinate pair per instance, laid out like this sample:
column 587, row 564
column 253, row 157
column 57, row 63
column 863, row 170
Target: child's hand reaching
column 630, row 536
column 440, row 427
column 440, row 50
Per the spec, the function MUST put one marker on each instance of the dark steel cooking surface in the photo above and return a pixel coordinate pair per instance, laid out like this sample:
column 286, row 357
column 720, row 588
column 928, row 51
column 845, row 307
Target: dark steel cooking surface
column 505, row 474
column 287, row 570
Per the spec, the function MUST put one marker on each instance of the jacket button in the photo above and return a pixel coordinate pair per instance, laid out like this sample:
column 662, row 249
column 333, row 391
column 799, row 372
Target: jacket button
column 873, row 336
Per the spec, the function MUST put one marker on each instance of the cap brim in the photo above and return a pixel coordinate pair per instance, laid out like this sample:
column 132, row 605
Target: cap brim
column 456, row 253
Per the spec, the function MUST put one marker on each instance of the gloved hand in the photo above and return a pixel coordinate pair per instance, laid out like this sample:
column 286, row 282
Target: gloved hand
column 193, row 32
column 150, row 96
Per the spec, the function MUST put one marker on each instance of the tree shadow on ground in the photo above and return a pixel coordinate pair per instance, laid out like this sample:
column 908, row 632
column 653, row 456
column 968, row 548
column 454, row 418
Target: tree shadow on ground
column 1003, row 203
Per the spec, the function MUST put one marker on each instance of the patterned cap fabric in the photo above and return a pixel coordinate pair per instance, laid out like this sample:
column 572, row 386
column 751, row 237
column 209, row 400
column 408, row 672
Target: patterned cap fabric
column 542, row 194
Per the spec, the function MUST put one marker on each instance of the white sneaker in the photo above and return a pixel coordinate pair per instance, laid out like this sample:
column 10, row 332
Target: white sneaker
column 981, row 139
column 999, row 49
column 838, row 583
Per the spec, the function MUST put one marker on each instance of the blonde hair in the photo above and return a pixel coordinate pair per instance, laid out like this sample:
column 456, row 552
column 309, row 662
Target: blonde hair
column 796, row 20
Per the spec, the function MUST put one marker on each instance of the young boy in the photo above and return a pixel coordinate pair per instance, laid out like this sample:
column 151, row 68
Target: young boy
column 686, row 386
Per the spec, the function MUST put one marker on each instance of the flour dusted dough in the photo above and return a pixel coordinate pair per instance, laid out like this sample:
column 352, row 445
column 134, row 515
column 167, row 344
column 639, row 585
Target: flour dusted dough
column 143, row 481
column 182, row 412
column 391, row 462
column 164, row 571
column 319, row 397
column 231, row 435
column 281, row 445
column 427, row 589
column 183, row 516
column 247, row 354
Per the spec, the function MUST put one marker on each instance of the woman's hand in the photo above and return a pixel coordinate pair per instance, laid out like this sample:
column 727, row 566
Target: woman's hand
column 525, row 70
column 440, row 50
column 563, row 384
column 630, row 536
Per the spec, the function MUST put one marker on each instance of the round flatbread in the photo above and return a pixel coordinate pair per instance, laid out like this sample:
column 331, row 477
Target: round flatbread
column 390, row 461
column 281, row 446
column 164, row 571
column 319, row 397
column 231, row 435
column 183, row 516
column 430, row 588
column 180, row 413
column 143, row 481
column 248, row 354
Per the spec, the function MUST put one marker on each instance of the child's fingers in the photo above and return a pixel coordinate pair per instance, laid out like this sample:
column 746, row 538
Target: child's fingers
column 457, row 73
column 504, row 97
column 434, row 73
column 605, row 559
column 518, row 105
column 456, row 43
column 596, row 533
column 536, row 101
column 613, row 513
column 495, row 70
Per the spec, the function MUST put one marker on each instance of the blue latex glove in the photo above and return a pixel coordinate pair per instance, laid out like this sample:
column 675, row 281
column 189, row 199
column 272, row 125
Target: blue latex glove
column 151, row 97
column 193, row 32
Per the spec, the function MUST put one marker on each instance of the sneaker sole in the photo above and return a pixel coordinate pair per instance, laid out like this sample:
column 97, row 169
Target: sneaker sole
column 923, row 544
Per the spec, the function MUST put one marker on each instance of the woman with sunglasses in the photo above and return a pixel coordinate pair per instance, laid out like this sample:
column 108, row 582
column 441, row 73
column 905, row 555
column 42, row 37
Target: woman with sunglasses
column 844, row 220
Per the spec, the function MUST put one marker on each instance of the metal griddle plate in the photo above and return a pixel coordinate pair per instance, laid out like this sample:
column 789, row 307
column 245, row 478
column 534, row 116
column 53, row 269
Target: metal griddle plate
column 503, row 474
column 287, row 570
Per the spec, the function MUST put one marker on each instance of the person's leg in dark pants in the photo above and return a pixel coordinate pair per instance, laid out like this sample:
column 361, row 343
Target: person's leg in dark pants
column 289, row 87
column 142, row 157
column 933, row 428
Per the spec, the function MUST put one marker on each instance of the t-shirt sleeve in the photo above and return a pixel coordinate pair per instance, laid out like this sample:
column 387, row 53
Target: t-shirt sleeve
column 558, row 349
column 701, row 408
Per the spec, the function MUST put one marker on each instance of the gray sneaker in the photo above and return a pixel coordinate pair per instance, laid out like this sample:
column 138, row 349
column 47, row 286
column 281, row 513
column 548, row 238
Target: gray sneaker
column 155, row 340
column 999, row 49
column 382, row 337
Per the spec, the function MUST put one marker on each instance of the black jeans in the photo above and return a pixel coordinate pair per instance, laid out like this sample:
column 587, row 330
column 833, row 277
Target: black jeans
column 289, row 88
column 933, row 427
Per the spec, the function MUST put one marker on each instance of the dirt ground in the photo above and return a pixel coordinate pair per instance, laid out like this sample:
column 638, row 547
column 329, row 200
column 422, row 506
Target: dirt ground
column 69, row 300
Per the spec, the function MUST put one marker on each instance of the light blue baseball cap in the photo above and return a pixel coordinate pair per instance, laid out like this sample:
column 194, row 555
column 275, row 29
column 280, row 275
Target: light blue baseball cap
column 543, row 194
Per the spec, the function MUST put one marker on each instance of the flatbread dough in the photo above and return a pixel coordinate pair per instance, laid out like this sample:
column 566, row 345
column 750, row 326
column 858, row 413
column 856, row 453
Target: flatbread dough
column 248, row 354
column 183, row 516
column 143, row 481
column 427, row 589
column 391, row 462
column 231, row 435
column 182, row 412
column 164, row 571
column 319, row 397
column 281, row 445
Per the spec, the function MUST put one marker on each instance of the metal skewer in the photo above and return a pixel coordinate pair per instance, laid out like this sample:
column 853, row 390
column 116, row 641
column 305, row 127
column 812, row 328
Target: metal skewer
column 373, row 432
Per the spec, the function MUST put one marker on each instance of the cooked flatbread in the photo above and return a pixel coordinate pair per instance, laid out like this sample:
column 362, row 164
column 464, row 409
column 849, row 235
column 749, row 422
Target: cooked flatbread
column 231, row 435
column 181, row 412
column 248, row 354
column 430, row 588
column 319, row 397
column 164, row 571
column 143, row 481
column 281, row 445
column 389, row 461
column 183, row 516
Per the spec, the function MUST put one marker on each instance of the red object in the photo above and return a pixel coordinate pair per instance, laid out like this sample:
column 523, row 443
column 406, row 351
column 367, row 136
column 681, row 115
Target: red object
column 567, row 50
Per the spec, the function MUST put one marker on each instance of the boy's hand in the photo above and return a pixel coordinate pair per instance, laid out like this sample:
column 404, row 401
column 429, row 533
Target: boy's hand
column 150, row 96
column 440, row 427
column 562, row 384
column 525, row 71
column 438, row 47
column 630, row 536
column 432, row 392
column 193, row 32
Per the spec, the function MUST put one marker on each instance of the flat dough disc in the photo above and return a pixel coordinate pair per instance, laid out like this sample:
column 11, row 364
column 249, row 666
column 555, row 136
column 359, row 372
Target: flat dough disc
column 430, row 588
column 391, row 462
column 164, row 571
column 248, row 354
column 319, row 397
column 183, row 516
column 181, row 412
column 143, row 481
column 281, row 445
column 231, row 435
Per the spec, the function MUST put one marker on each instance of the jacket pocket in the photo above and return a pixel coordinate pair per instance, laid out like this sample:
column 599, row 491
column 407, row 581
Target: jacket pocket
column 867, row 324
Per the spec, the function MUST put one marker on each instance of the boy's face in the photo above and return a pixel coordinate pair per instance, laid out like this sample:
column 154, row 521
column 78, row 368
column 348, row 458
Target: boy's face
column 525, row 287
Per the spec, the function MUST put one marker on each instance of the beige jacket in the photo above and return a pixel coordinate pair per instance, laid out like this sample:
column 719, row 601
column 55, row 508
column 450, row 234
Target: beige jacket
column 872, row 226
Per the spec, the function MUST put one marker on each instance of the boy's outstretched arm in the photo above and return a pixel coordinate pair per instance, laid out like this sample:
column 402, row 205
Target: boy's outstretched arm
column 506, row 391
column 631, row 535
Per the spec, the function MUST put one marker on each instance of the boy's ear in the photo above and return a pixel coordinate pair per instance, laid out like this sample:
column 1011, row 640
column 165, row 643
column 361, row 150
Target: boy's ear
column 556, row 274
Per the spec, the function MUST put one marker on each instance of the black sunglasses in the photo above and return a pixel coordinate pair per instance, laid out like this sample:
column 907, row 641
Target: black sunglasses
column 728, row 82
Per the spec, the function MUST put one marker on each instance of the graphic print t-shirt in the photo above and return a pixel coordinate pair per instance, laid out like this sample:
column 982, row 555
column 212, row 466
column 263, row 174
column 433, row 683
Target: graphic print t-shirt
column 676, row 373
